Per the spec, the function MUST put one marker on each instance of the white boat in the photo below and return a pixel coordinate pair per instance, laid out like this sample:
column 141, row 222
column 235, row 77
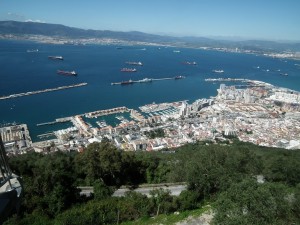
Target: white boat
column 218, row 71
column 145, row 80
column 32, row 50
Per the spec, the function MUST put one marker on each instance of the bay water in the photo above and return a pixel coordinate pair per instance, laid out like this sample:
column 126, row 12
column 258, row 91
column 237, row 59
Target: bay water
column 99, row 66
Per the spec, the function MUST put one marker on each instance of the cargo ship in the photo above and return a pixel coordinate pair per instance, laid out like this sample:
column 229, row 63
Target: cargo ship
column 128, row 70
column 283, row 74
column 68, row 73
column 135, row 63
column 56, row 57
column 127, row 82
column 179, row 77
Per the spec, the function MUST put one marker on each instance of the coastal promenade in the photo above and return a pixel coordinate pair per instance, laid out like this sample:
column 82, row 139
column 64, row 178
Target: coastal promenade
column 41, row 91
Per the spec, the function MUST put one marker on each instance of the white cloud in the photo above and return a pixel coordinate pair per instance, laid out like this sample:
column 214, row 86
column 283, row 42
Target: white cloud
column 19, row 17
column 15, row 16
column 35, row 21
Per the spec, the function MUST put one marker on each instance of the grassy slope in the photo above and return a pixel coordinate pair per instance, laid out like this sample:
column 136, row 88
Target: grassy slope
column 170, row 219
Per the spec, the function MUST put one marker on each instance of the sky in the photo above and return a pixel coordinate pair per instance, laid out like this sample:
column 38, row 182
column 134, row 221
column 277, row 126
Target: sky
column 236, row 19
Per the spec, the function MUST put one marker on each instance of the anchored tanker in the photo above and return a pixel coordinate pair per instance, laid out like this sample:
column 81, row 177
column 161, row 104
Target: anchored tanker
column 179, row 77
column 56, row 57
column 127, row 82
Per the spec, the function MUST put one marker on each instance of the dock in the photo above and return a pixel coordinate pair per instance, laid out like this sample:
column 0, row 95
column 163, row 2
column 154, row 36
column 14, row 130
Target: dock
column 45, row 135
column 41, row 91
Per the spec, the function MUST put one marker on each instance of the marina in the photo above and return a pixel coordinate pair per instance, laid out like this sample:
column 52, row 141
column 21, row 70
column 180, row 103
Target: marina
column 101, row 123
column 42, row 91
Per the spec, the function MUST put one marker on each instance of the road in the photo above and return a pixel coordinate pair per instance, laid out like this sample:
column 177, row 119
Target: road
column 175, row 189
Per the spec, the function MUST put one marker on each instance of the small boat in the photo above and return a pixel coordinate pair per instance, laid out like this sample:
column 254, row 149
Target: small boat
column 135, row 63
column 218, row 71
column 145, row 80
column 179, row 77
column 68, row 73
column 128, row 70
column 189, row 63
column 32, row 50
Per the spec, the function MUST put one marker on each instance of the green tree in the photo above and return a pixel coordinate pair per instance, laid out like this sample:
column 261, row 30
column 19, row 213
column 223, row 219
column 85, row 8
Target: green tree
column 213, row 169
column 91, row 213
column 101, row 191
column 162, row 201
column 296, row 202
column 100, row 161
column 188, row 200
column 249, row 202
column 49, row 184
column 285, row 168
column 133, row 206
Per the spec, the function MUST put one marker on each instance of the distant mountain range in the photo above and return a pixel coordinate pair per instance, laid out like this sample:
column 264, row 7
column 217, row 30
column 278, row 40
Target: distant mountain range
column 57, row 30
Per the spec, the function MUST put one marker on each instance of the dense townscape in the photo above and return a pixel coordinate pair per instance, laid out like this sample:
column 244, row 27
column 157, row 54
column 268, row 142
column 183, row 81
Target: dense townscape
column 239, row 111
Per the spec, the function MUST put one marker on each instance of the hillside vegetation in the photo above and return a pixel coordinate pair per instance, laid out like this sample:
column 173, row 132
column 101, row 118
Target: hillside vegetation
column 223, row 175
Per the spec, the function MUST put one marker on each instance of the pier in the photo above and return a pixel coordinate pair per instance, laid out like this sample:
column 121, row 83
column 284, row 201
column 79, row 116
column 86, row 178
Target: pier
column 106, row 112
column 42, row 91
column 59, row 120
column 250, row 83
column 147, row 80
column 227, row 80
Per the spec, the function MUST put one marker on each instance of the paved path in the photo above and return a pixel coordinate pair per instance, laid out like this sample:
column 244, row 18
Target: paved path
column 175, row 189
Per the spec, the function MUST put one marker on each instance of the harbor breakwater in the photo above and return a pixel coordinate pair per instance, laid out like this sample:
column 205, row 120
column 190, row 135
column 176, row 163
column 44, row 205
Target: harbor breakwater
column 41, row 91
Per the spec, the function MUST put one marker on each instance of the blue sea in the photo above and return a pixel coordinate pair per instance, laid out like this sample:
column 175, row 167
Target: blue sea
column 22, row 71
